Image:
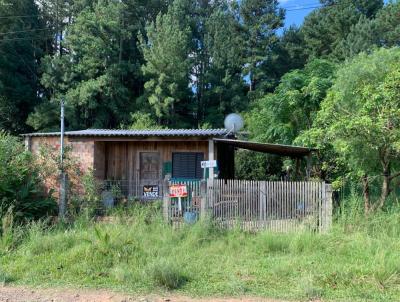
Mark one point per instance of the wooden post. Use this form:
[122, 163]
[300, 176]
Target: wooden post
[326, 217]
[28, 143]
[309, 166]
[166, 201]
[263, 201]
[203, 199]
[210, 157]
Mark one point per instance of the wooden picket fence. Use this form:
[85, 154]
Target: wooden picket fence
[279, 206]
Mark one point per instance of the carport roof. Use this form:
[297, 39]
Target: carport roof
[284, 150]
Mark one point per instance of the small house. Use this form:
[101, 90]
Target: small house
[139, 161]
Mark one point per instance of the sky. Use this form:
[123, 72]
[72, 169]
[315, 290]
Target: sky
[296, 10]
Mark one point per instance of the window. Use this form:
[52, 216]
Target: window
[187, 165]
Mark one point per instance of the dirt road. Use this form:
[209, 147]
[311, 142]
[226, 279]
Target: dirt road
[24, 294]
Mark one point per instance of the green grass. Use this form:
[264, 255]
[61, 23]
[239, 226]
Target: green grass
[358, 261]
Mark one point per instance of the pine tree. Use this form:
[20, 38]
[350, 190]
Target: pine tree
[260, 19]
[387, 24]
[99, 72]
[168, 64]
[324, 29]
[363, 36]
[21, 39]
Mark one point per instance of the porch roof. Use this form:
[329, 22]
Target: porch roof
[137, 133]
[284, 150]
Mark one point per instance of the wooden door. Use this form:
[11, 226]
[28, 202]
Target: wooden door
[150, 175]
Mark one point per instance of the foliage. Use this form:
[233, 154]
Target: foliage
[257, 166]
[324, 29]
[85, 196]
[167, 274]
[20, 184]
[195, 75]
[166, 52]
[360, 118]
[261, 19]
[83, 188]
[19, 63]
[141, 120]
[281, 116]
[354, 261]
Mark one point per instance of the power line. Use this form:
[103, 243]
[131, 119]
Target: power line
[304, 3]
[304, 8]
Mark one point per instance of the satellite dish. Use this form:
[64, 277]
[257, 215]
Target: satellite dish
[233, 123]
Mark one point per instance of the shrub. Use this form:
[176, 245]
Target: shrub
[20, 185]
[167, 274]
[88, 200]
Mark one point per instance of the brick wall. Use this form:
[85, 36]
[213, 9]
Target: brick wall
[81, 149]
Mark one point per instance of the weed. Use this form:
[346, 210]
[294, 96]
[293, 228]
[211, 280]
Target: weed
[167, 274]
[138, 251]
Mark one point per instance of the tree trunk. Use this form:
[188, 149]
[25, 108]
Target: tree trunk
[366, 196]
[385, 187]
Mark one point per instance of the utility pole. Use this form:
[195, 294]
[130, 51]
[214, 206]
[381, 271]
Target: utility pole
[63, 175]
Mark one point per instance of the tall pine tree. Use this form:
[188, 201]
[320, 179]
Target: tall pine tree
[22, 33]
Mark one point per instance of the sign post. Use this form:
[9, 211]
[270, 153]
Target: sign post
[178, 191]
[207, 164]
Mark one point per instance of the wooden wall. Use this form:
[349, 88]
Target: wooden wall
[121, 159]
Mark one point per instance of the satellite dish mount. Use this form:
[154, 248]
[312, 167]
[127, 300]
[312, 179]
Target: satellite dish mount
[233, 123]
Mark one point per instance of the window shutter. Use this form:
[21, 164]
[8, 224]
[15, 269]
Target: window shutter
[187, 165]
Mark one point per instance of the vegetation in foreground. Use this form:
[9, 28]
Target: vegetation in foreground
[357, 261]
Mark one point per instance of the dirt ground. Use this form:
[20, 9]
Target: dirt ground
[23, 294]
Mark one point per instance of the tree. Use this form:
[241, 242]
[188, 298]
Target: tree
[361, 119]
[280, 117]
[142, 120]
[260, 20]
[223, 89]
[363, 36]
[21, 187]
[20, 51]
[98, 73]
[324, 29]
[289, 53]
[387, 24]
[168, 64]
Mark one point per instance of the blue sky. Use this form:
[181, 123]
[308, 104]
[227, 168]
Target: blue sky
[297, 10]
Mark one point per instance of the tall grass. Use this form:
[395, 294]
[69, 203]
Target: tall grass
[357, 261]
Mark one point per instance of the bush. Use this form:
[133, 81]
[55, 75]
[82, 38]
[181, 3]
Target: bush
[167, 274]
[20, 185]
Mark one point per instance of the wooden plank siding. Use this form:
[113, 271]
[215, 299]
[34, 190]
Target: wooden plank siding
[122, 158]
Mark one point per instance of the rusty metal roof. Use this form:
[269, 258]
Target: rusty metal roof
[138, 133]
[284, 150]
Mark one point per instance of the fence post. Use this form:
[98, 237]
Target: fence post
[263, 201]
[203, 199]
[326, 218]
[166, 201]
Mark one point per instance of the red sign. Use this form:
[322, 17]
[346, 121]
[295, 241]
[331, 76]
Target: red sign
[178, 191]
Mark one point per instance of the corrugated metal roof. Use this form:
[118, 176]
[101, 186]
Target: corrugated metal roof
[133, 133]
[285, 150]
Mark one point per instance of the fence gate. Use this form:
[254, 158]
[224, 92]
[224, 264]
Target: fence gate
[279, 206]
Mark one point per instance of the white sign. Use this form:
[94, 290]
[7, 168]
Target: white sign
[209, 164]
